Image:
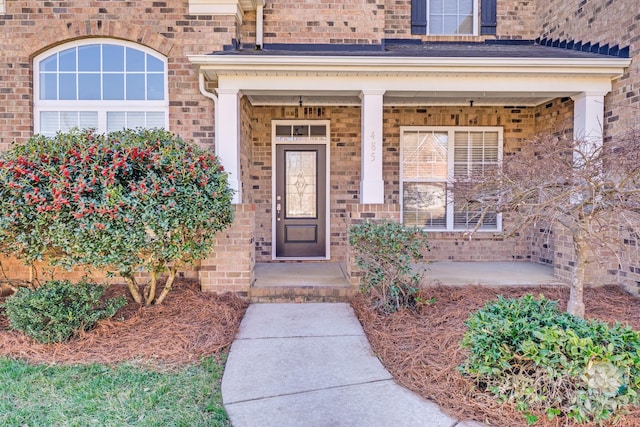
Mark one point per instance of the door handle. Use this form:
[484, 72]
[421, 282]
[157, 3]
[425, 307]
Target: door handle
[278, 209]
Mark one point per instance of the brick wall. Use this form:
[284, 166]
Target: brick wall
[613, 23]
[604, 22]
[516, 19]
[518, 124]
[31, 27]
[324, 22]
[230, 267]
[605, 267]
[14, 271]
[397, 21]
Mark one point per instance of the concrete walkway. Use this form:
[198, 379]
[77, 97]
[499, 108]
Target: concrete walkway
[311, 365]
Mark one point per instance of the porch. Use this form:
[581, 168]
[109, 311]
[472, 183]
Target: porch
[344, 124]
[328, 282]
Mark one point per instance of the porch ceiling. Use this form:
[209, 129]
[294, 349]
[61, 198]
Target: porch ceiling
[395, 98]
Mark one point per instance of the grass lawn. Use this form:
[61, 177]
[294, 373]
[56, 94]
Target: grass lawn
[122, 395]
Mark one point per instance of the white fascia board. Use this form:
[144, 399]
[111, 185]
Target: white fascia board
[436, 83]
[215, 65]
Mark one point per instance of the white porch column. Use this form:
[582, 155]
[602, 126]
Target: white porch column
[227, 130]
[588, 117]
[372, 184]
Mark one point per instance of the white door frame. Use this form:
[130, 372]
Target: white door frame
[298, 141]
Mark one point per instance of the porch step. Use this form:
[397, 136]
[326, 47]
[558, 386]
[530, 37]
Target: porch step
[301, 293]
[301, 282]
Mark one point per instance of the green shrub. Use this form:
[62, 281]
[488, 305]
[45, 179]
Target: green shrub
[528, 352]
[125, 201]
[385, 252]
[58, 310]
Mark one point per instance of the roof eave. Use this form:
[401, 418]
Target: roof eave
[215, 65]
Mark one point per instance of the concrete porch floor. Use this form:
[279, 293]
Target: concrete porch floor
[490, 273]
[328, 274]
[300, 274]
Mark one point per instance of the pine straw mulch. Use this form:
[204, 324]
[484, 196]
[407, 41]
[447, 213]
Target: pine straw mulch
[422, 350]
[189, 325]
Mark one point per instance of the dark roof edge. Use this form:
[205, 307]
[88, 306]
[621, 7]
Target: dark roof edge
[314, 47]
[350, 47]
[579, 46]
[585, 46]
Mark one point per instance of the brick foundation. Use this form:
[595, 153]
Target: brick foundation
[230, 268]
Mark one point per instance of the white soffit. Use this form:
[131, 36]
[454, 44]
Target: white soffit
[222, 7]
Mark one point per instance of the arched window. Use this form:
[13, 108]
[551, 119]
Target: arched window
[103, 84]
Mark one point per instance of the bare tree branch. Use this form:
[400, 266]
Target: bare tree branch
[591, 190]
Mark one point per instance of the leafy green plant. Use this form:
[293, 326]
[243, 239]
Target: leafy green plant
[528, 352]
[127, 201]
[58, 310]
[385, 252]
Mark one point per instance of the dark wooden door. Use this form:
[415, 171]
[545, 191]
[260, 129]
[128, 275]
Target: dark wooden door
[300, 200]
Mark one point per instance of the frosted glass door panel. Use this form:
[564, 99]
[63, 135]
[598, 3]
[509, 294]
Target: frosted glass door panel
[301, 176]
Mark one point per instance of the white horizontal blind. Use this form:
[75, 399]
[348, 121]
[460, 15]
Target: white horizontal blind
[474, 153]
[430, 157]
[424, 174]
[52, 122]
[118, 120]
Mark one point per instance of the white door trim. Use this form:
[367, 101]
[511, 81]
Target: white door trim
[297, 141]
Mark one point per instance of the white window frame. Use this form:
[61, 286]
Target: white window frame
[474, 15]
[450, 130]
[100, 106]
[2, 7]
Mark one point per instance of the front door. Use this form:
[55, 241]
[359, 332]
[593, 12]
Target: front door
[300, 200]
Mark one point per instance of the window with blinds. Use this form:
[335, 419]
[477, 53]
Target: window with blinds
[450, 17]
[103, 84]
[430, 158]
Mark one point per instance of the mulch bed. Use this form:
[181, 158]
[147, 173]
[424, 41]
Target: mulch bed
[189, 325]
[422, 350]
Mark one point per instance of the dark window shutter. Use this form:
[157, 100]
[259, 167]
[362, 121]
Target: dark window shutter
[419, 16]
[488, 17]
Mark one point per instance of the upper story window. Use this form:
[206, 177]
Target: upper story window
[103, 84]
[430, 158]
[444, 17]
[450, 17]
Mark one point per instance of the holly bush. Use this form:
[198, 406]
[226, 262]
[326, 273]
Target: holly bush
[129, 201]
